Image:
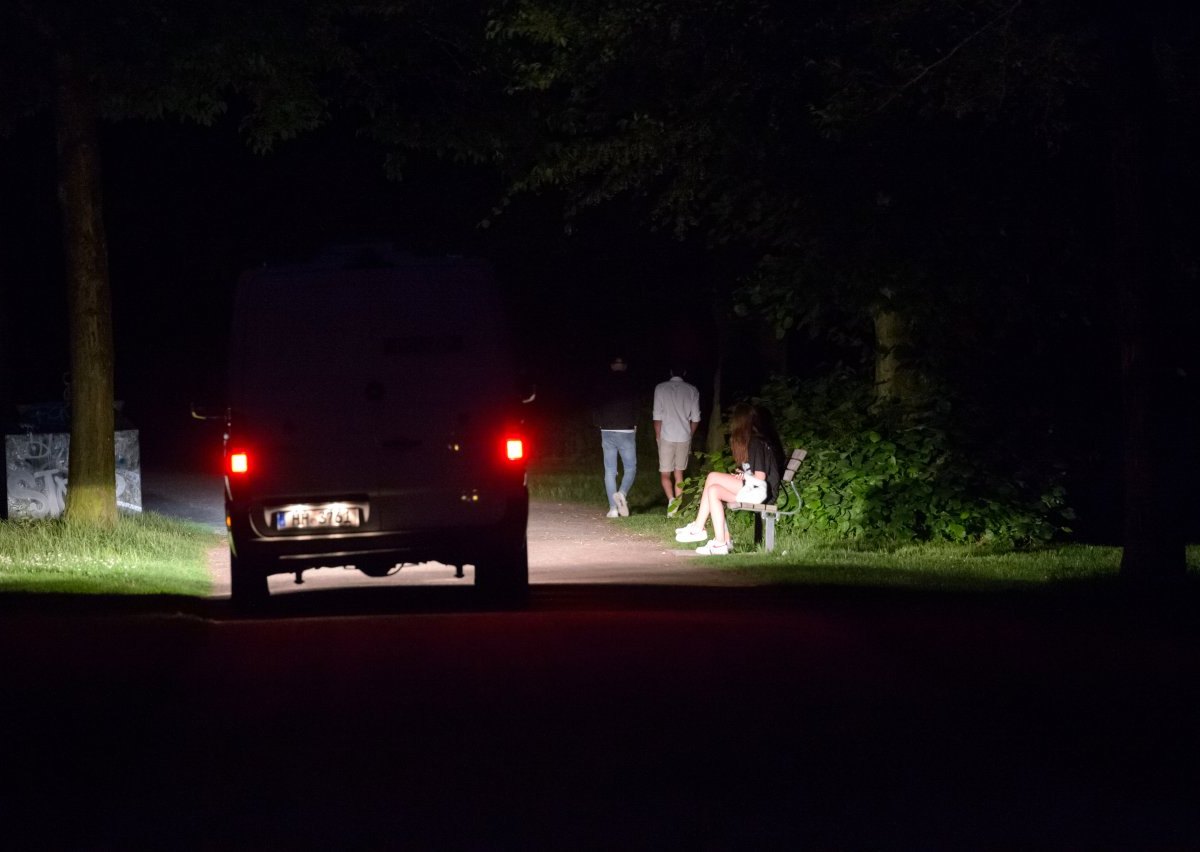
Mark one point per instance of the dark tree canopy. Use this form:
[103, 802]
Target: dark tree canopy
[955, 164]
[985, 203]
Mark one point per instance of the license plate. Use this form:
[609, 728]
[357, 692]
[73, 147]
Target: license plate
[321, 517]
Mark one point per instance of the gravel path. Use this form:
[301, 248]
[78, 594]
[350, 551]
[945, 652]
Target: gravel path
[568, 544]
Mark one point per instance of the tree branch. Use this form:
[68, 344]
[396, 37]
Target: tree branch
[928, 68]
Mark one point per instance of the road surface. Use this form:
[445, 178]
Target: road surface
[615, 714]
[568, 544]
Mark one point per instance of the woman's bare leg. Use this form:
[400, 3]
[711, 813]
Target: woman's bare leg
[719, 495]
[714, 480]
[702, 512]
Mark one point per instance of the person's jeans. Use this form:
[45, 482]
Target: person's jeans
[623, 444]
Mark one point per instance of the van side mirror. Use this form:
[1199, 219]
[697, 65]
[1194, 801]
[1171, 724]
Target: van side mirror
[208, 412]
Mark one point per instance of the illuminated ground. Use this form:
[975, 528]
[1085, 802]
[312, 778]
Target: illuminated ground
[567, 544]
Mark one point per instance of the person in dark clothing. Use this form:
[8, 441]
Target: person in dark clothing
[754, 444]
[614, 411]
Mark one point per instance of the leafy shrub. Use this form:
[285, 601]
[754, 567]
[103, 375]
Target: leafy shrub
[887, 475]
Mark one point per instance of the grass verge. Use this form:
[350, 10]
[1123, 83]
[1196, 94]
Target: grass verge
[798, 560]
[144, 554]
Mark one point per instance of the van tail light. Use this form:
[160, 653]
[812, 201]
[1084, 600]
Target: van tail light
[514, 448]
[238, 463]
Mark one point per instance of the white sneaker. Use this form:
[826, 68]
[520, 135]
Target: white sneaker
[691, 534]
[612, 513]
[713, 548]
[622, 504]
[691, 526]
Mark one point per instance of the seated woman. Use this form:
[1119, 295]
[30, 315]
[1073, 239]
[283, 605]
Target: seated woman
[753, 441]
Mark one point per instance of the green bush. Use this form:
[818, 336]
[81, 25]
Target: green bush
[891, 476]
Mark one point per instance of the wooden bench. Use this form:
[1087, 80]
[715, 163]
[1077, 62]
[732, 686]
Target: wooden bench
[787, 502]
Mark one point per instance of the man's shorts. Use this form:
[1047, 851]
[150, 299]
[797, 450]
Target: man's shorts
[673, 455]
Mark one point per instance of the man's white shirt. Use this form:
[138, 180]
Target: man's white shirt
[677, 405]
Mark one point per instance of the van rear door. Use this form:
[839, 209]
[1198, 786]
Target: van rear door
[360, 380]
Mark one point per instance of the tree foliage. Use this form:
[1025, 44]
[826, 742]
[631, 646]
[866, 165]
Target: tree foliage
[871, 154]
[948, 163]
[127, 59]
[890, 475]
[277, 63]
[721, 113]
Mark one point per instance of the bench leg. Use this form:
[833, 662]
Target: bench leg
[758, 528]
[770, 533]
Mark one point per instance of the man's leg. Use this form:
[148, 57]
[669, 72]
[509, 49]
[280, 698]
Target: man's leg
[608, 445]
[682, 454]
[666, 464]
[666, 485]
[627, 447]
[676, 463]
[674, 491]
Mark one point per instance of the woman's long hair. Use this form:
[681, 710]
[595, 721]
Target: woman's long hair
[742, 422]
[745, 422]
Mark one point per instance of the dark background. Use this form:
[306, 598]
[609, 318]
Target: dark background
[187, 209]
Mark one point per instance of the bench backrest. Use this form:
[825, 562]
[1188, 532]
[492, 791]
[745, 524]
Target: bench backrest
[794, 464]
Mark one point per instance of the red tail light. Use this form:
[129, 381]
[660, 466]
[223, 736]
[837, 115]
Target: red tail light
[514, 448]
[238, 463]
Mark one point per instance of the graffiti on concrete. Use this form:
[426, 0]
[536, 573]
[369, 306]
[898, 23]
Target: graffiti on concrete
[36, 465]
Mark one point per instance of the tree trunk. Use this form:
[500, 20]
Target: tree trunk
[772, 350]
[5, 400]
[715, 442]
[716, 432]
[1154, 545]
[895, 378]
[91, 474]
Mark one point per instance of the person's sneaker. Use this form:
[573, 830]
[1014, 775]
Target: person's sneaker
[612, 513]
[690, 526]
[691, 534]
[673, 507]
[622, 504]
[713, 548]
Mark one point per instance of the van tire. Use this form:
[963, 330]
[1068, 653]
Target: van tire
[503, 577]
[247, 583]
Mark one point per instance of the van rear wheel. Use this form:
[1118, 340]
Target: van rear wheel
[503, 577]
[247, 582]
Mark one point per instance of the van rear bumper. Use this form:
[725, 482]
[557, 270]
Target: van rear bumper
[457, 545]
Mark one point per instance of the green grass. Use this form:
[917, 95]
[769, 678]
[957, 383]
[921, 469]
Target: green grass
[798, 560]
[570, 487]
[143, 554]
[152, 554]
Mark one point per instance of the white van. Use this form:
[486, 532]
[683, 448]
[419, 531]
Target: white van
[374, 422]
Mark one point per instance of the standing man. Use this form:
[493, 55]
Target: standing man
[676, 418]
[614, 410]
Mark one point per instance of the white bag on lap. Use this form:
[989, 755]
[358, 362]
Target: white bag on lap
[753, 490]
